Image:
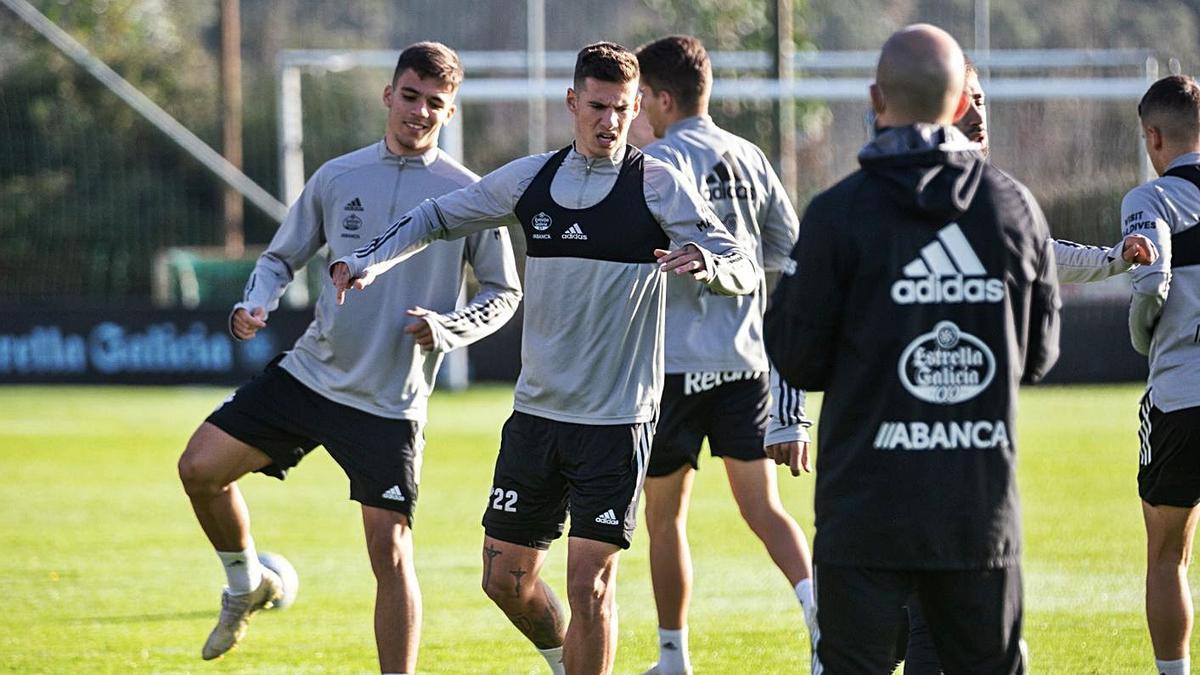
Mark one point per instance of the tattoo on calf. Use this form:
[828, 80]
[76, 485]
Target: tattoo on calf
[548, 630]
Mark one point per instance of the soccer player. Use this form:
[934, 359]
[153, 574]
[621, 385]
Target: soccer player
[1076, 263]
[924, 291]
[1164, 324]
[598, 217]
[717, 371]
[358, 380]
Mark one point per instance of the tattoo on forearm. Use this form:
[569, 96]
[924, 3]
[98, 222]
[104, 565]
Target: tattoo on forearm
[489, 553]
[517, 574]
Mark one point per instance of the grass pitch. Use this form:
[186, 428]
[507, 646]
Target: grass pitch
[103, 568]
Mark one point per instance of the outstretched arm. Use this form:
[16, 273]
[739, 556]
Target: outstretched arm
[485, 204]
[490, 254]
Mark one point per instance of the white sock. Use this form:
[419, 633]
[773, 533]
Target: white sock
[243, 572]
[1179, 667]
[553, 658]
[673, 658]
[804, 593]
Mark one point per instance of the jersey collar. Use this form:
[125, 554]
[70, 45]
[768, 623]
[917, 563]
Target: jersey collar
[424, 159]
[1185, 159]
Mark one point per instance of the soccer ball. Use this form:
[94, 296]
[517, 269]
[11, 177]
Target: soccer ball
[291, 581]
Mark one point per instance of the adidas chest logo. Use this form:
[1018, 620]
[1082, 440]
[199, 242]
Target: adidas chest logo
[574, 232]
[947, 271]
[354, 205]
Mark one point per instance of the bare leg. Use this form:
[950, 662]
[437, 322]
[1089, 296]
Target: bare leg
[1169, 534]
[208, 468]
[591, 641]
[511, 578]
[757, 495]
[397, 595]
[667, 500]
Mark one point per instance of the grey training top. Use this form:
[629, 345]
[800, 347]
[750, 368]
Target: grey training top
[710, 332]
[358, 354]
[592, 349]
[1080, 263]
[1164, 316]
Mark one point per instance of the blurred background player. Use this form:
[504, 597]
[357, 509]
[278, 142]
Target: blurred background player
[717, 371]
[924, 291]
[357, 382]
[1164, 324]
[596, 216]
[1076, 263]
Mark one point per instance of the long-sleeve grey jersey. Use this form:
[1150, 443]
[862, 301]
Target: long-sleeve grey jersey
[592, 349]
[1081, 264]
[710, 332]
[1164, 315]
[359, 354]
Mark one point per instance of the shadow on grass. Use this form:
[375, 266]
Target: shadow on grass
[141, 618]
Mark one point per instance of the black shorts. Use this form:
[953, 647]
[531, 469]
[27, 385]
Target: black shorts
[974, 618]
[729, 408]
[1169, 471]
[277, 414]
[546, 467]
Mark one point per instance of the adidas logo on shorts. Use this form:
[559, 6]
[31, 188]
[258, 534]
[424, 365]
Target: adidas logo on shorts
[393, 493]
[608, 518]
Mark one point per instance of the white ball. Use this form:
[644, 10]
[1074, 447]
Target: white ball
[291, 581]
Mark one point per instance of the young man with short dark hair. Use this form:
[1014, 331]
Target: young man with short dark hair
[598, 218]
[1164, 324]
[358, 381]
[717, 383]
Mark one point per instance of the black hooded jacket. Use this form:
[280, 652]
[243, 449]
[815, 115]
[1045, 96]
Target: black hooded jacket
[924, 293]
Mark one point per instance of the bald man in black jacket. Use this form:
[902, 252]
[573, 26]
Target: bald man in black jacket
[924, 293]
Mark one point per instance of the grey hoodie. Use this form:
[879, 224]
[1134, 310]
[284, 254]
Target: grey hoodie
[359, 355]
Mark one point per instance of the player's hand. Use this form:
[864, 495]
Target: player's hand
[340, 272]
[793, 453]
[686, 260]
[420, 329]
[247, 324]
[1138, 249]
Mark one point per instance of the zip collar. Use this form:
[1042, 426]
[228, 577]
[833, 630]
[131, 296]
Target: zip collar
[424, 159]
[577, 160]
[693, 122]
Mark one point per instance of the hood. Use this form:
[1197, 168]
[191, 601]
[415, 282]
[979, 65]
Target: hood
[932, 170]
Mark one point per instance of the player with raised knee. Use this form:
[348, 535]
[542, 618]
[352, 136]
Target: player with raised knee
[1164, 324]
[717, 370]
[358, 380]
[598, 217]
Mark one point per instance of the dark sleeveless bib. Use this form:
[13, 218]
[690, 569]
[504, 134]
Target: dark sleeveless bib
[618, 228]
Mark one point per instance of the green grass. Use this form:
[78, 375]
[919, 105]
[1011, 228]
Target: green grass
[103, 568]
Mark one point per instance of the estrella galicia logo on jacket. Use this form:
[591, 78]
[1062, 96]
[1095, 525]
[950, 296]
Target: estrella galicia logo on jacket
[946, 366]
[947, 271]
[351, 223]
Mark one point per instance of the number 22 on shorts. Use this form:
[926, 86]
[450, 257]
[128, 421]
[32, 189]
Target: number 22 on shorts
[504, 500]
